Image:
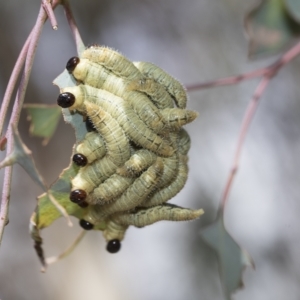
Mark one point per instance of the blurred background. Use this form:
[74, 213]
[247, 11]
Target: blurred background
[195, 41]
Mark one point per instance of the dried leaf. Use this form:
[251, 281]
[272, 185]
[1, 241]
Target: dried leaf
[270, 28]
[231, 258]
[44, 120]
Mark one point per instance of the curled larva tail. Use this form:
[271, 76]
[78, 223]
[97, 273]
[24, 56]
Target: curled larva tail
[111, 189]
[174, 87]
[92, 147]
[156, 92]
[136, 193]
[148, 216]
[171, 190]
[175, 118]
[117, 144]
[135, 128]
[139, 161]
[184, 142]
[113, 61]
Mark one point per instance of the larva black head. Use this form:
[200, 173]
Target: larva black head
[89, 125]
[113, 246]
[86, 225]
[78, 197]
[72, 63]
[65, 100]
[80, 160]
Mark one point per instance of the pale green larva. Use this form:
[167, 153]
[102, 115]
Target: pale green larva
[114, 61]
[147, 216]
[173, 86]
[136, 160]
[123, 113]
[92, 147]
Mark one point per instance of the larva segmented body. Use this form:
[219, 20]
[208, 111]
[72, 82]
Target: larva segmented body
[156, 92]
[168, 212]
[125, 116]
[135, 194]
[117, 144]
[111, 188]
[114, 231]
[145, 109]
[175, 118]
[113, 61]
[184, 142]
[139, 161]
[87, 71]
[92, 175]
[173, 86]
[92, 147]
[168, 192]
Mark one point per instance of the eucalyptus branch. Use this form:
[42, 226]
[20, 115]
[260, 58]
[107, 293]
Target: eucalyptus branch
[27, 54]
[248, 117]
[267, 71]
[76, 35]
[268, 74]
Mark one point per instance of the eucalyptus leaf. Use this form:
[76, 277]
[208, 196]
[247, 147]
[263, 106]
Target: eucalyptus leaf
[270, 28]
[231, 258]
[44, 120]
[23, 156]
[293, 7]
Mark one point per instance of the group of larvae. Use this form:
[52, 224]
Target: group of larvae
[133, 158]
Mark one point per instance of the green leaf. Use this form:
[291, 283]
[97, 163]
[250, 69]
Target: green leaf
[270, 28]
[64, 80]
[231, 258]
[44, 120]
[293, 7]
[46, 213]
[22, 155]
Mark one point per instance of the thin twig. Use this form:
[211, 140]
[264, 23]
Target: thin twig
[227, 80]
[49, 10]
[248, 117]
[267, 71]
[14, 119]
[12, 83]
[76, 35]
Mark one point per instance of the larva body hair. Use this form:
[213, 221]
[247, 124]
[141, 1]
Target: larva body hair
[92, 147]
[89, 177]
[168, 212]
[135, 194]
[116, 142]
[175, 118]
[111, 189]
[121, 110]
[114, 61]
[184, 144]
[171, 190]
[173, 86]
[156, 92]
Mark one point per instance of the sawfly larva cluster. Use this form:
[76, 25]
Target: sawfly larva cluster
[134, 157]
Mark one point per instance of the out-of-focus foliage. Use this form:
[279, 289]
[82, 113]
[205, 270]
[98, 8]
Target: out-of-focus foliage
[232, 259]
[272, 26]
[44, 120]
